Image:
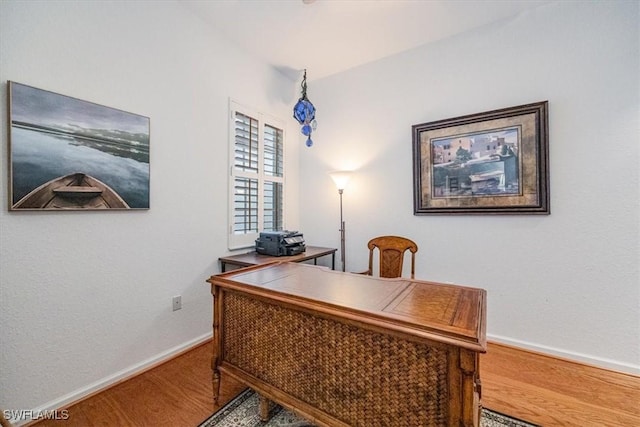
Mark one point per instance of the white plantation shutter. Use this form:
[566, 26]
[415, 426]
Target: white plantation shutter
[245, 172]
[273, 145]
[273, 168]
[245, 143]
[245, 206]
[272, 206]
[257, 176]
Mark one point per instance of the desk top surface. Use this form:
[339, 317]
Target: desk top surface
[447, 313]
[254, 258]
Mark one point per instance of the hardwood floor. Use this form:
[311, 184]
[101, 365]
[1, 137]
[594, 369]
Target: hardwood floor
[177, 393]
[554, 392]
[541, 389]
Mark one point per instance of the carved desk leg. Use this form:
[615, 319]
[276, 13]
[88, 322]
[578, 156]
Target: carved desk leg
[471, 405]
[264, 409]
[216, 346]
[215, 379]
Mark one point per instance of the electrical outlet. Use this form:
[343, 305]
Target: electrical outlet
[177, 302]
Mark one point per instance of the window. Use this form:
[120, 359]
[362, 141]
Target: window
[256, 190]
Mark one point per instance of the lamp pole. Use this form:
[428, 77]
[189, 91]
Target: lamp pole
[342, 237]
[341, 179]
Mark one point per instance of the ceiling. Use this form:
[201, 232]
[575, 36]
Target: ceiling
[331, 36]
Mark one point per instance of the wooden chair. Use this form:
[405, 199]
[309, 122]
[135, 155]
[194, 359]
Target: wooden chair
[391, 255]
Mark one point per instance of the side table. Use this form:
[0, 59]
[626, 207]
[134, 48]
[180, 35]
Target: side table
[254, 258]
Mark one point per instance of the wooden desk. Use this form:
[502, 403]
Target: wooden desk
[254, 258]
[343, 349]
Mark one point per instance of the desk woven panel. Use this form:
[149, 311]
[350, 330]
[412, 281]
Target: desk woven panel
[361, 377]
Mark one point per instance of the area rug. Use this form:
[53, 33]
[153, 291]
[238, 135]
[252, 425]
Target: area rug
[243, 412]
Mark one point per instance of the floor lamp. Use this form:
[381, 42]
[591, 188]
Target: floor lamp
[341, 180]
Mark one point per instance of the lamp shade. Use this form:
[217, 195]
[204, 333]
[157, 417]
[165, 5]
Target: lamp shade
[341, 178]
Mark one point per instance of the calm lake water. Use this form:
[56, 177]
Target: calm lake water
[39, 157]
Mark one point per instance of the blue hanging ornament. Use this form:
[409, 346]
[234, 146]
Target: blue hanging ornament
[304, 112]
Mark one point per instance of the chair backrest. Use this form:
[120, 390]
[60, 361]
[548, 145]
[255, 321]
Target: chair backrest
[392, 249]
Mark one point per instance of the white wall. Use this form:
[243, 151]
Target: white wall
[86, 297]
[565, 284]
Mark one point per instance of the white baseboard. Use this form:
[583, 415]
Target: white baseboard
[603, 363]
[76, 395]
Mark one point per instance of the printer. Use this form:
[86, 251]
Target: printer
[280, 243]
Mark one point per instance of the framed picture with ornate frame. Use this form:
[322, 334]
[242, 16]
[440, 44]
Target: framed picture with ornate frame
[495, 162]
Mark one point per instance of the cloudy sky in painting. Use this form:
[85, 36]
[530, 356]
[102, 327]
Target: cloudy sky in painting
[41, 107]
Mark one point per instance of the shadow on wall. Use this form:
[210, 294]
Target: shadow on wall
[289, 93]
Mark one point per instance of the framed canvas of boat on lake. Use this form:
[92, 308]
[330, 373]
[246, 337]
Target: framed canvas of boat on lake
[69, 154]
[494, 162]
